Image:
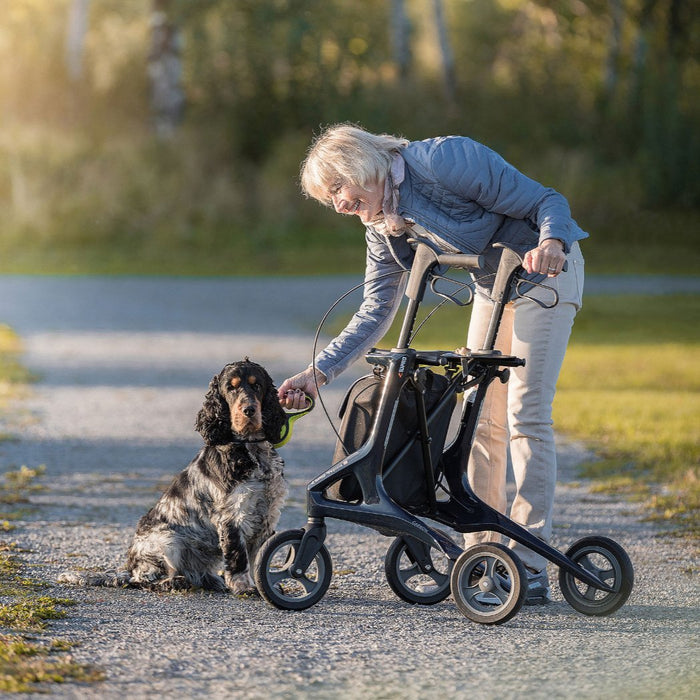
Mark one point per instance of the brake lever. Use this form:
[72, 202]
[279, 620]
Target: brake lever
[449, 297]
[544, 305]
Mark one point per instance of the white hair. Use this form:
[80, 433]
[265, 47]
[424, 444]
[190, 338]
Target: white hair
[347, 154]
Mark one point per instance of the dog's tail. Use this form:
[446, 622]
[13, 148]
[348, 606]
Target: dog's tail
[113, 579]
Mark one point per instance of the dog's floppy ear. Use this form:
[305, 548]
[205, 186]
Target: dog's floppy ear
[273, 416]
[214, 418]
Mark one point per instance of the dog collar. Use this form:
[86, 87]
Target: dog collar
[246, 441]
[292, 416]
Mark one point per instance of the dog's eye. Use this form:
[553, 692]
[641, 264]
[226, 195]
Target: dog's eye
[254, 383]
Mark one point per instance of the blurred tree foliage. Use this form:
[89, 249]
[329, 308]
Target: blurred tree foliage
[614, 82]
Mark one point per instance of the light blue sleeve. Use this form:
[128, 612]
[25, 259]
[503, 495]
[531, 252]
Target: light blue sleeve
[385, 281]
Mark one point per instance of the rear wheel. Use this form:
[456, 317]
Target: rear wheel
[287, 589]
[409, 580]
[606, 560]
[489, 583]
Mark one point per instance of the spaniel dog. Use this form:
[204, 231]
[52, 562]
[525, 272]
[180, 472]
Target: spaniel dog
[218, 511]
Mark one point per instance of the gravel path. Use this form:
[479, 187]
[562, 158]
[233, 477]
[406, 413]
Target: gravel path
[124, 364]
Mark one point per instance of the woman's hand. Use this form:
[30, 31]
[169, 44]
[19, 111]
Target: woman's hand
[292, 392]
[547, 259]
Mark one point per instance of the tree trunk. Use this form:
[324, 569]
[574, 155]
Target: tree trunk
[75, 38]
[165, 71]
[447, 58]
[617, 14]
[642, 42]
[400, 31]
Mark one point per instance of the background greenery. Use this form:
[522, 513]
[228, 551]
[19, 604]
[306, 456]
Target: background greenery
[595, 97]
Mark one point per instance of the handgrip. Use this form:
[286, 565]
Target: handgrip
[286, 432]
[460, 260]
[450, 259]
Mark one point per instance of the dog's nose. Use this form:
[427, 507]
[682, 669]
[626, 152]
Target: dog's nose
[249, 411]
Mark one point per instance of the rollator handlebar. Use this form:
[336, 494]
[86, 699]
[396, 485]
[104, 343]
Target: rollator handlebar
[461, 260]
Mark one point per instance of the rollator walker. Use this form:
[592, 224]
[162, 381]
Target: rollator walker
[424, 564]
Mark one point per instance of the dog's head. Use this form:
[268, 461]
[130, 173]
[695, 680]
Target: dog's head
[241, 402]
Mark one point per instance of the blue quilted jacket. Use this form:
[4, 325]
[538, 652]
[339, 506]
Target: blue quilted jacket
[469, 196]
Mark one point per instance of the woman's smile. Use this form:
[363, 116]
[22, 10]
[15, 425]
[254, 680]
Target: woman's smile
[357, 201]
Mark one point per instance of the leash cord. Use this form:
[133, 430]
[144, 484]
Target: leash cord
[463, 285]
[318, 335]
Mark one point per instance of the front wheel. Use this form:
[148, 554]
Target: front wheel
[279, 585]
[409, 581]
[489, 583]
[606, 560]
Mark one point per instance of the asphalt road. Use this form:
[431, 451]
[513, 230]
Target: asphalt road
[123, 366]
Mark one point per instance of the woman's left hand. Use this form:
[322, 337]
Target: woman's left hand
[547, 259]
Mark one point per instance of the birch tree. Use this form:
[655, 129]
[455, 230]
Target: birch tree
[165, 70]
[400, 32]
[75, 38]
[446, 56]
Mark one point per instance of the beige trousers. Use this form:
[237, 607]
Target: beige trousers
[518, 415]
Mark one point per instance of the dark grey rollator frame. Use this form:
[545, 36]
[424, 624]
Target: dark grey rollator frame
[488, 582]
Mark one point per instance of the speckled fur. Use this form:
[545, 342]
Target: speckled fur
[208, 525]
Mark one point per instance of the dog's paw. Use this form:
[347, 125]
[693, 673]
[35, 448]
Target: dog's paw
[250, 593]
[240, 584]
[114, 579]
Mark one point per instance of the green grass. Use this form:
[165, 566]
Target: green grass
[27, 666]
[12, 374]
[232, 251]
[642, 242]
[330, 245]
[29, 660]
[630, 390]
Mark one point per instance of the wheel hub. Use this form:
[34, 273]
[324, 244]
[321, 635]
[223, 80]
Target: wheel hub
[486, 584]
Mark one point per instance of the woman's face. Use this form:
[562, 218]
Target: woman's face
[353, 199]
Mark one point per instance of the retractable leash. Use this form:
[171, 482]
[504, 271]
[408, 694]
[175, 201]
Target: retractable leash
[292, 417]
[446, 298]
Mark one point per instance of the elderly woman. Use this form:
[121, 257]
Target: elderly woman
[464, 197]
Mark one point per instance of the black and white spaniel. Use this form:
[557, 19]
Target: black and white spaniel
[205, 530]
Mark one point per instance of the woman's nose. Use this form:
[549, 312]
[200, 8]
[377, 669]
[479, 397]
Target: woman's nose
[339, 204]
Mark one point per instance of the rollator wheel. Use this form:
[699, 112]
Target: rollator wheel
[274, 579]
[605, 559]
[409, 581]
[489, 583]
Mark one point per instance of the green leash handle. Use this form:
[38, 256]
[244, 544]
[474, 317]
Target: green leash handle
[292, 416]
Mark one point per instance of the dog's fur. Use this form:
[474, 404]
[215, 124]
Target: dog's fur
[218, 511]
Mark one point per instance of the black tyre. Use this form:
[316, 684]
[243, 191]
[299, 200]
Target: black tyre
[409, 581]
[274, 579]
[606, 560]
[489, 583]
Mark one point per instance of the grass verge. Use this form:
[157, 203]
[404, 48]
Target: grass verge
[29, 659]
[629, 390]
[12, 374]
